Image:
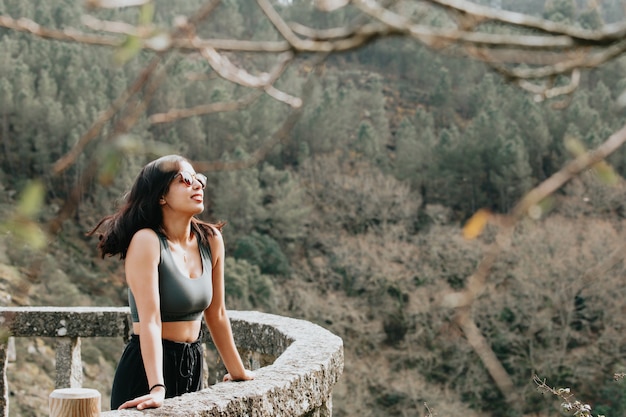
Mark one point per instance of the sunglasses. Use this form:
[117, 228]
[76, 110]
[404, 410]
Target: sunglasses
[187, 178]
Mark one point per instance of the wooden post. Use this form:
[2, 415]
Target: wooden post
[74, 402]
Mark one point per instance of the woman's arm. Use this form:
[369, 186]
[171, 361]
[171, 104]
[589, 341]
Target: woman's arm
[142, 260]
[217, 320]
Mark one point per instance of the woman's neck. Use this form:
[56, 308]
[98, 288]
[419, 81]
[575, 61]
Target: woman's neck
[177, 230]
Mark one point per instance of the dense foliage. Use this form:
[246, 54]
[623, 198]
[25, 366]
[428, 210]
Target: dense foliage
[352, 222]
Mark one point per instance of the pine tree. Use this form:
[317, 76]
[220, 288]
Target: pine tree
[560, 11]
[510, 172]
[407, 152]
[285, 206]
[416, 153]
[533, 130]
[237, 198]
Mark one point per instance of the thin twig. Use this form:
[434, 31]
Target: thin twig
[569, 402]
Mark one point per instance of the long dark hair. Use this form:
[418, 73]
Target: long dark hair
[141, 209]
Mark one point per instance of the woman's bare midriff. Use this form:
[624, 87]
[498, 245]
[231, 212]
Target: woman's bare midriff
[176, 331]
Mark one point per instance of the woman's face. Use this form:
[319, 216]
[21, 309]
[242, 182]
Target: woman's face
[186, 191]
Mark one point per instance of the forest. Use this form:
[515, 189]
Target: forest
[347, 212]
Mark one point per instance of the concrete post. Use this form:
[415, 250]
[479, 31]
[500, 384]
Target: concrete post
[4, 386]
[68, 363]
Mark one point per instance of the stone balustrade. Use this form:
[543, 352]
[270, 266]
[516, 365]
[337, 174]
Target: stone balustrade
[299, 361]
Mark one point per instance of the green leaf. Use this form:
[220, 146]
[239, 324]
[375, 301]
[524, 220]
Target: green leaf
[146, 15]
[606, 173]
[127, 50]
[31, 200]
[25, 230]
[30, 233]
[110, 168]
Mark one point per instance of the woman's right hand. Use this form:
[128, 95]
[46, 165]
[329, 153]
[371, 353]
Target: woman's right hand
[152, 400]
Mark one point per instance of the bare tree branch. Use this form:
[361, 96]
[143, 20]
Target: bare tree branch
[545, 92]
[176, 114]
[582, 37]
[67, 35]
[593, 47]
[569, 171]
[311, 45]
[232, 45]
[114, 4]
[144, 77]
[462, 301]
[437, 37]
[586, 60]
[282, 135]
[482, 348]
[70, 157]
[134, 110]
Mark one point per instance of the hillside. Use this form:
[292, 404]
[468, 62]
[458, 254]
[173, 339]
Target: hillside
[381, 291]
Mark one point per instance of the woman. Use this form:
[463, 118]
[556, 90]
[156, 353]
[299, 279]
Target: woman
[174, 265]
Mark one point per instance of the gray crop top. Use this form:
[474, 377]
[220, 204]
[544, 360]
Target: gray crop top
[182, 298]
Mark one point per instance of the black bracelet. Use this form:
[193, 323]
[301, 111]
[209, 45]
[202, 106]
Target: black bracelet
[154, 386]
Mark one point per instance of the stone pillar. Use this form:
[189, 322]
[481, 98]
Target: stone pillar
[4, 386]
[69, 366]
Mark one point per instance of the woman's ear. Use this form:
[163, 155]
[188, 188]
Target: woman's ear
[162, 201]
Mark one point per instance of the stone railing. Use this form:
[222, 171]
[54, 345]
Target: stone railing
[303, 361]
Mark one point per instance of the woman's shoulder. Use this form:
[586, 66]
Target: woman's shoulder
[207, 232]
[215, 231]
[146, 233]
[215, 237]
[216, 243]
[147, 237]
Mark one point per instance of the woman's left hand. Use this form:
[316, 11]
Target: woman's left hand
[249, 375]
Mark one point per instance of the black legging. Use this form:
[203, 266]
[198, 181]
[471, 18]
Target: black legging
[182, 371]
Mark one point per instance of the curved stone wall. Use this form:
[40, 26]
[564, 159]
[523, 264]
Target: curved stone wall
[303, 361]
[309, 361]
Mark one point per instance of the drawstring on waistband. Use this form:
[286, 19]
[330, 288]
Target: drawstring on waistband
[187, 363]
